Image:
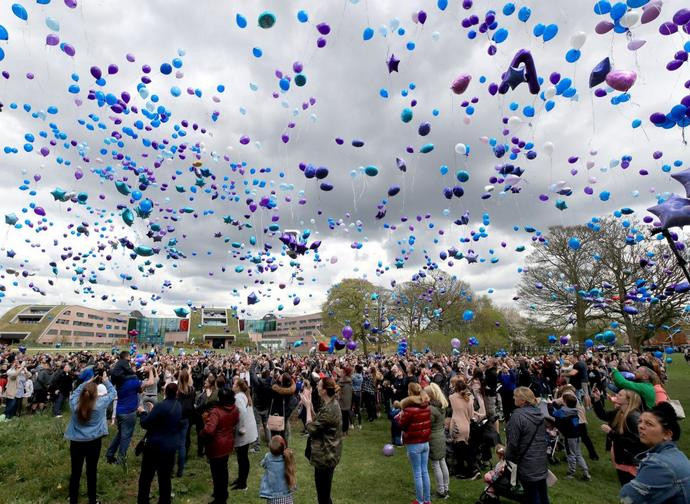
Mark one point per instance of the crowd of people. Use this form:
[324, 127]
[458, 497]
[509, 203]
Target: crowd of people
[447, 409]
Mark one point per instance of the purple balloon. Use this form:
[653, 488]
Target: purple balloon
[40, 211]
[352, 345]
[668, 28]
[68, 49]
[674, 65]
[347, 332]
[554, 78]
[130, 57]
[96, 72]
[421, 17]
[388, 450]
[634, 45]
[460, 84]
[657, 118]
[52, 39]
[72, 4]
[324, 28]
[650, 12]
[621, 80]
[603, 27]
[681, 17]
[112, 69]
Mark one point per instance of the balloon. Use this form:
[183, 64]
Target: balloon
[455, 343]
[589, 343]
[388, 450]
[19, 11]
[564, 340]
[574, 243]
[351, 345]
[549, 33]
[53, 24]
[347, 332]
[599, 72]
[323, 346]
[674, 212]
[515, 76]
[630, 19]
[552, 339]
[603, 27]
[3, 33]
[267, 19]
[621, 80]
[468, 315]
[635, 44]
[578, 40]
[460, 84]
[181, 312]
[650, 12]
[368, 33]
[524, 13]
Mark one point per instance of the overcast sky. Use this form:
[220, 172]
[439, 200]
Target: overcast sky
[345, 78]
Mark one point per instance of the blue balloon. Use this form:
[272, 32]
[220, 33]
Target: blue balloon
[678, 112]
[146, 205]
[136, 195]
[20, 11]
[572, 55]
[3, 33]
[524, 13]
[538, 30]
[574, 243]
[468, 315]
[442, 4]
[550, 32]
[500, 35]
[528, 111]
[618, 11]
[602, 7]
[549, 105]
[284, 84]
[241, 21]
[368, 33]
[508, 9]
[634, 4]
[302, 16]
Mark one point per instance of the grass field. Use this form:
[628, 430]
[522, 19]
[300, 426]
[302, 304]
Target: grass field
[34, 467]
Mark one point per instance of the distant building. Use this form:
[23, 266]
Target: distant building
[272, 332]
[217, 326]
[65, 324]
[158, 330]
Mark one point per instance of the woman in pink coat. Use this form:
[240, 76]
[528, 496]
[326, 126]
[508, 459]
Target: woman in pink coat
[462, 404]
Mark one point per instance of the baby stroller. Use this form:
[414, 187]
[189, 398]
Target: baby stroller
[483, 438]
[554, 442]
[502, 487]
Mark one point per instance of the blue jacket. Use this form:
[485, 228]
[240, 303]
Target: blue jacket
[128, 395]
[273, 482]
[663, 477]
[162, 425]
[97, 426]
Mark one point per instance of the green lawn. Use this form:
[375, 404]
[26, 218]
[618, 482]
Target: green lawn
[34, 467]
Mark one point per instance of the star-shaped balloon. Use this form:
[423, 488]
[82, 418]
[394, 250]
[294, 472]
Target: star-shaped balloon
[392, 63]
[401, 164]
[561, 204]
[674, 212]
[599, 72]
[471, 256]
[514, 77]
[684, 178]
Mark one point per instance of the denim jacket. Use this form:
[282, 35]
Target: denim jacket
[97, 426]
[273, 482]
[663, 477]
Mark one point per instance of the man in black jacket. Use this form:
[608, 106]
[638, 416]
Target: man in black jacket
[121, 370]
[44, 376]
[61, 385]
[261, 398]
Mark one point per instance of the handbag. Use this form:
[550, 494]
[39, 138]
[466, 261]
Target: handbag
[513, 466]
[276, 422]
[678, 407]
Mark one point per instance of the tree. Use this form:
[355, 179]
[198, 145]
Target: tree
[615, 274]
[556, 273]
[359, 304]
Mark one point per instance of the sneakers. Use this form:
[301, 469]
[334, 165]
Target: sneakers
[442, 495]
[476, 475]
[587, 477]
[570, 476]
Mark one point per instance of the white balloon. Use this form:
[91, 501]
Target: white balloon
[383, 30]
[436, 35]
[635, 193]
[415, 17]
[590, 165]
[514, 121]
[592, 180]
[460, 148]
[394, 24]
[550, 92]
[488, 188]
[578, 39]
[630, 19]
[548, 148]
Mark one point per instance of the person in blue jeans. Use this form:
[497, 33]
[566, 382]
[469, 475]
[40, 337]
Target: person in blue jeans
[126, 416]
[415, 422]
[663, 475]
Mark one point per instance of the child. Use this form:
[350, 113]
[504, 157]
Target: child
[494, 474]
[279, 480]
[396, 432]
[564, 410]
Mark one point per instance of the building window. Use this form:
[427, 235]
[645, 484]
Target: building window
[80, 314]
[52, 331]
[67, 312]
[65, 333]
[83, 333]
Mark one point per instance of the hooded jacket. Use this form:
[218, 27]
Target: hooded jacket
[120, 371]
[415, 420]
[526, 443]
[345, 395]
[325, 434]
[219, 430]
[261, 390]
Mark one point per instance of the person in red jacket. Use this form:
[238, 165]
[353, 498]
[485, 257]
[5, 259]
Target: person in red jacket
[415, 422]
[219, 433]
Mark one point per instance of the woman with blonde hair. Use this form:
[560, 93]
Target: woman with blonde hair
[462, 404]
[622, 436]
[437, 443]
